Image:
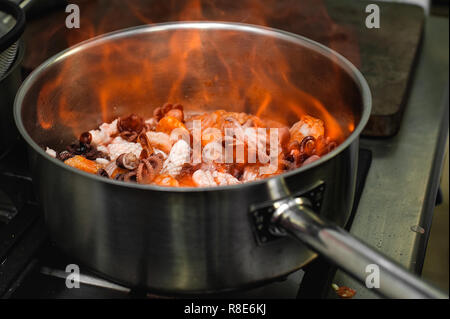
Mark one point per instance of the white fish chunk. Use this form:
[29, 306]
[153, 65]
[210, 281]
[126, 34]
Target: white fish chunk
[178, 156]
[50, 152]
[203, 178]
[102, 161]
[119, 146]
[103, 149]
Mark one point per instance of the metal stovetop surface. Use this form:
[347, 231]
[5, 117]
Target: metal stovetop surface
[402, 183]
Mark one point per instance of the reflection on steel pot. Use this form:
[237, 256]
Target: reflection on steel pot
[190, 240]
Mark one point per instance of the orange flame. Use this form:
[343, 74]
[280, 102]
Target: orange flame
[190, 63]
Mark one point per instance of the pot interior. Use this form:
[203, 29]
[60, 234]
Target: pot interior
[203, 66]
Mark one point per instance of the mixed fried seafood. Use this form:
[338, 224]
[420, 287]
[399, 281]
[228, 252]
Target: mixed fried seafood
[177, 148]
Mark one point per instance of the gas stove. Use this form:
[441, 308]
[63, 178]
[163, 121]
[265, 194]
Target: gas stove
[31, 266]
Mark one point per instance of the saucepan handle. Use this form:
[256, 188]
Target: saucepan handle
[350, 254]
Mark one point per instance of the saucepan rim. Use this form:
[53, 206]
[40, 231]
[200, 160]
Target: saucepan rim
[347, 66]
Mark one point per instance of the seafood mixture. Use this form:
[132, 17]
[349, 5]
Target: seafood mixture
[177, 148]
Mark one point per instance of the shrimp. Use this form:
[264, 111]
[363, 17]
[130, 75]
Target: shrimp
[159, 140]
[203, 178]
[224, 178]
[307, 126]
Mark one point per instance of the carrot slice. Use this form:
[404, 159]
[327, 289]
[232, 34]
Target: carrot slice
[168, 123]
[83, 164]
[165, 180]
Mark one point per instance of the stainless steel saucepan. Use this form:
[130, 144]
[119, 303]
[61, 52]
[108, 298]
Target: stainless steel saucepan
[200, 240]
